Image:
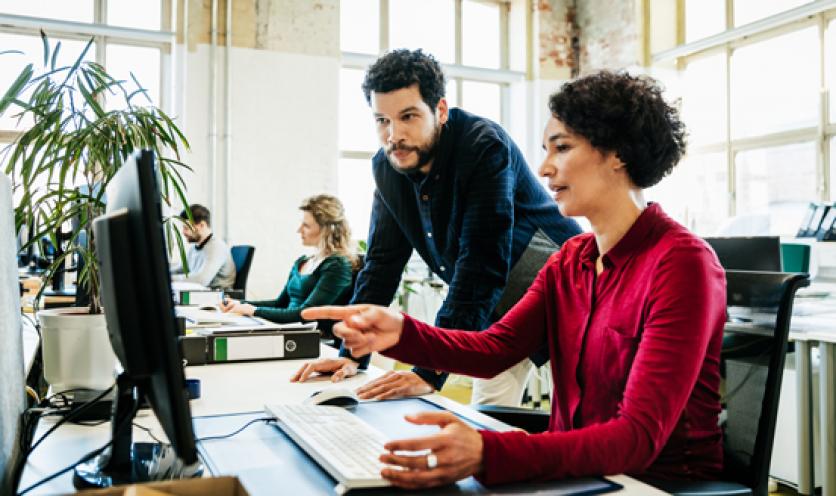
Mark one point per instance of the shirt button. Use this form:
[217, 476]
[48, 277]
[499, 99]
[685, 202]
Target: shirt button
[442, 268]
[437, 177]
[425, 197]
[429, 235]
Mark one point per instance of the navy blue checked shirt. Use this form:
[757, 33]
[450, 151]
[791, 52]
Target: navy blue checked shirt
[470, 219]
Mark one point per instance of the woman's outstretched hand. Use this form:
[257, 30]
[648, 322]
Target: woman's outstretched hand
[363, 328]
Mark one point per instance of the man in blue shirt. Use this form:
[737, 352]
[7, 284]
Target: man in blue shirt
[454, 187]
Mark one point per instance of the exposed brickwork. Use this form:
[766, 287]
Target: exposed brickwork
[309, 27]
[609, 34]
[557, 39]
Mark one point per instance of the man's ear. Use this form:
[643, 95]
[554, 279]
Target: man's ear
[442, 111]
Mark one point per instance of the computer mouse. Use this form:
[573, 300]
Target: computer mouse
[338, 396]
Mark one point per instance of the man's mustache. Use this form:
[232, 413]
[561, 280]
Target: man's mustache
[398, 147]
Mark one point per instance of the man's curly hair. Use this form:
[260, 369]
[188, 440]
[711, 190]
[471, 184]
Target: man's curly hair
[403, 68]
[627, 115]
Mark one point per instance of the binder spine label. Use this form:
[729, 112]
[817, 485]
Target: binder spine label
[248, 348]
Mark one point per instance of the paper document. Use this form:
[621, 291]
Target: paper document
[200, 317]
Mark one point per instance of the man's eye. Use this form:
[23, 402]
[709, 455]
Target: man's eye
[382, 121]
[562, 148]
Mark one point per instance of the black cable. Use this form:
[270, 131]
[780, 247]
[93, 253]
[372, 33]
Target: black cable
[149, 432]
[83, 459]
[74, 413]
[251, 422]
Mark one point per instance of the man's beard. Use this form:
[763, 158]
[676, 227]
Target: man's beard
[426, 154]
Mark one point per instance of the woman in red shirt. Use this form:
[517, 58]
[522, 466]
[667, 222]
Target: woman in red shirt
[632, 313]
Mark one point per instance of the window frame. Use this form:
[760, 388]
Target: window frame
[457, 72]
[103, 35]
[818, 13]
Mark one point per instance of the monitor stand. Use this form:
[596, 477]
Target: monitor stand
[127, 462]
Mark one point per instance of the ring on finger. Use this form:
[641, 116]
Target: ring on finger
[432, 461]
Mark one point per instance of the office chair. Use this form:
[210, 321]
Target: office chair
[754, 366]
[326, 327]
[242, 256]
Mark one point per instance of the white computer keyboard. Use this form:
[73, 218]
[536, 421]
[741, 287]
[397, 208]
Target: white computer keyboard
[344, 445]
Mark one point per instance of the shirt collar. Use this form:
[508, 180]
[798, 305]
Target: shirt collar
[635, 237]
[628, 244]
[203, 243]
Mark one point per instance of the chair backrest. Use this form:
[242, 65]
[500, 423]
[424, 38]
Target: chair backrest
[795, 257]
[754, 351]
[242, 256]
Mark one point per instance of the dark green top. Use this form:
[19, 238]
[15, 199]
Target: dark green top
[321, 287]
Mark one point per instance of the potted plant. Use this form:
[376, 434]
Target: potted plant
[61, 165]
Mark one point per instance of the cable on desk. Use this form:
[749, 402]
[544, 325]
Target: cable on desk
[34, 323]
[251, 422]
[72, 414]
[149, 432]
[83, 459]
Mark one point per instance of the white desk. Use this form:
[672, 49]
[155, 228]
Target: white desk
[814, 323]
[229, 388]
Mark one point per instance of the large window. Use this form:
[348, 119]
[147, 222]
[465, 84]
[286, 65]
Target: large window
[470, 39]
[755, 98]
[128, 40]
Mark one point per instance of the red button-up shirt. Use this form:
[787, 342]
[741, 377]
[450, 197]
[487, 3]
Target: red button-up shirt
[634, 356]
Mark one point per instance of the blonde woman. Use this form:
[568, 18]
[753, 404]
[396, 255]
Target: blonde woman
[318, 279]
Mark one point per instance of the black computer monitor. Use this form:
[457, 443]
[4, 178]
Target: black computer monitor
[760, 253]
[136, 296]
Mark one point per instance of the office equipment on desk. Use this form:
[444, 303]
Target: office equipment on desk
[217, 345]
[812, 222]
[334, 396]
[345, 446]
[264, 457]
[827, 229]
[200, 297]
[179, 286]
[136, 297]
[762, 253]
[12, 396]
[202, 317]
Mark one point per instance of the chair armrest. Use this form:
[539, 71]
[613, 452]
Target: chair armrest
[531, 421]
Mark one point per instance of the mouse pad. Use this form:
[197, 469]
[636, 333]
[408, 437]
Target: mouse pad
[265, 459]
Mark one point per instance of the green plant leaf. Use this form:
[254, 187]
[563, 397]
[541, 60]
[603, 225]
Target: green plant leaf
[45, 43]
[74, 140]
[55, 55]
[14, 90]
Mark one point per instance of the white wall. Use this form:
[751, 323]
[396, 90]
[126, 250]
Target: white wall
[284, 148]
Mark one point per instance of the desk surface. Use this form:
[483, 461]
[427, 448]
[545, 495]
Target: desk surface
[229, 388]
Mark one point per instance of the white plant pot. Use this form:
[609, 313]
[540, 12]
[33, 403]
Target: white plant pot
[76, 349]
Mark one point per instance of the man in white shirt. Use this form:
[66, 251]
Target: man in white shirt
[210, 261]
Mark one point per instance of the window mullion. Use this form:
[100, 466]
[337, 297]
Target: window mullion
[384, 26]
[822, 146]
[731, 179]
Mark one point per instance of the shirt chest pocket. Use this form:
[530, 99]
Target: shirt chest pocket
[618, 347]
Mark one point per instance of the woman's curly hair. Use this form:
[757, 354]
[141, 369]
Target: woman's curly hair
[401, 69]
[627, 115]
